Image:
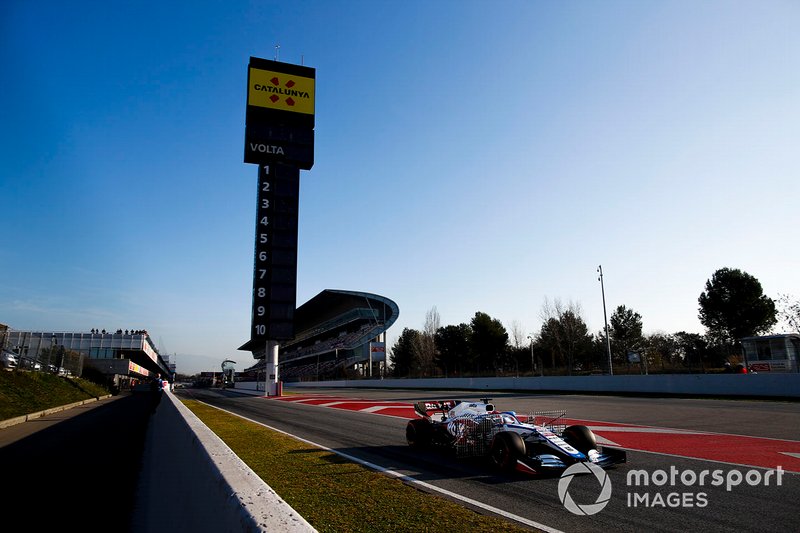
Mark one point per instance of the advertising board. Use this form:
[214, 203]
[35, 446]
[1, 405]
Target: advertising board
[279, 123]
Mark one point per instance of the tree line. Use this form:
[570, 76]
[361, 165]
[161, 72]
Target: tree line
[731, 307]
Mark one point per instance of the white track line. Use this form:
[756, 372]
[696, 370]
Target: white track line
[601, 440]
[628, 429]
[375, 408]
[405, 478]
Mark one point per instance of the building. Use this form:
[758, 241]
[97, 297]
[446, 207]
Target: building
[122, 356]
[772, 353]
[338, 334]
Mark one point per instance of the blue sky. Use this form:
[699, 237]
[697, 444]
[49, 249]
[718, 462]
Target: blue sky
[472, 156]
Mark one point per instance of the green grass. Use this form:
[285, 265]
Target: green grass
[23, 393]
[334, 494]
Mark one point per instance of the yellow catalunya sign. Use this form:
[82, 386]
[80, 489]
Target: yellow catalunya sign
[278, 90]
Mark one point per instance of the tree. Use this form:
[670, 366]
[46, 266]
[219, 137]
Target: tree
[519, 354]
[425, 344]
[661, 349]
[693, 349]
[625, 331]
[517, 334]
[564, 335]
[453, 347]
[404, 360]
[599, 350]
[789, 312]
[549, 342]
[734, 306]
[487, 342]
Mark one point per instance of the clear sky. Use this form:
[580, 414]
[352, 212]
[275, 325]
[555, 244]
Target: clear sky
[472, 156]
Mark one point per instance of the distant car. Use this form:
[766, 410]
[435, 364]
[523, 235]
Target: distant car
[9, 359]
[29, 363]
[476, 429]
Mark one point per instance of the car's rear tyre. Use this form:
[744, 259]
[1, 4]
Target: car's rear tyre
[418, 433]
[581, 438]
[506, 448]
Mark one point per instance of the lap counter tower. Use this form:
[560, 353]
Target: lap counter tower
[279, 138]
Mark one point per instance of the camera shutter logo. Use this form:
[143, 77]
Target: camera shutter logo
[590, 508]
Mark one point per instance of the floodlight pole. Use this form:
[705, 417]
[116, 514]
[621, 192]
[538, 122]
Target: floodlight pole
[51, 352]
[608, 340]
[533, 364]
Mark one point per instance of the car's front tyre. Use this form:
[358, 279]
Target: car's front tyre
[581, 438]
[506, 448]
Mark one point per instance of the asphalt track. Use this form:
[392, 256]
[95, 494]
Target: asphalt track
[698, 435]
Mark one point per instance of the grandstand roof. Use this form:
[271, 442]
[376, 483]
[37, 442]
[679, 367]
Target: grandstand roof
[331, 304]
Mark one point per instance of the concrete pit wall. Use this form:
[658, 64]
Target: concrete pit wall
[713, 385]
[192, 481]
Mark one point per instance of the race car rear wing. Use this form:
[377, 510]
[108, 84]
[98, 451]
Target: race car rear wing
[430, 409]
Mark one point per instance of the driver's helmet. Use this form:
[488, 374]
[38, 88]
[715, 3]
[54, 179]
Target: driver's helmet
[509, 418]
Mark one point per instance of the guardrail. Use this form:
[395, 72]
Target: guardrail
[784, 385]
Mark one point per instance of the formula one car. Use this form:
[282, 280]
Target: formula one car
[538, 446]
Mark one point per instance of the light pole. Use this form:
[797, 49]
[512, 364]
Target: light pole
[608, 340]
[533, 365]
[52, 351]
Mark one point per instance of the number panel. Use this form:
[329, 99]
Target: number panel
[275, 258]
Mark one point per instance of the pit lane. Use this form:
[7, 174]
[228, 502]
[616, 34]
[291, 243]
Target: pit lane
[380, 440]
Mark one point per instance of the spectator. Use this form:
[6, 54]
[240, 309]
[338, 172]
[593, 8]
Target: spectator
[156, 390]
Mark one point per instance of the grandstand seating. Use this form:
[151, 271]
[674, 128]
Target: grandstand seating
[334, 331]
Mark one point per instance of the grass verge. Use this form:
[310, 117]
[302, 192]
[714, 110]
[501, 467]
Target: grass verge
[23, 392]
[334, 494]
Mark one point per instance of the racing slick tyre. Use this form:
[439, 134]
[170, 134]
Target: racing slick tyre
[418, 433]
[507, 447]
[580, 437]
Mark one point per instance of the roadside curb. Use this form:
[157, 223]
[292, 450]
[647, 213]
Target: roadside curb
[219, 491]
[38, 414]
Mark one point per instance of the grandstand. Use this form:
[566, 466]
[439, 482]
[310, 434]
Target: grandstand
[339, 334]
